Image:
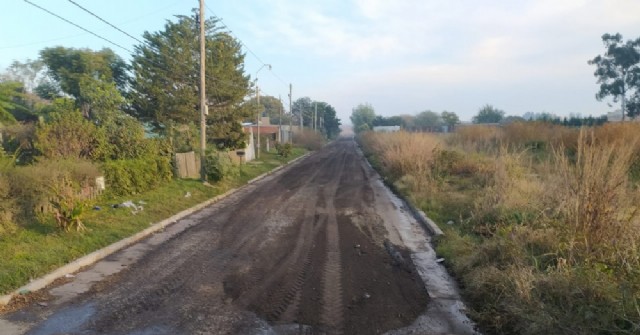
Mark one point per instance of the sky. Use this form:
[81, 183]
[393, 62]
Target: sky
[400, 56]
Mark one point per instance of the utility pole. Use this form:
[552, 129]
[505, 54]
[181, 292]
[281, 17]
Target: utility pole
[280, 121]
[203, 100]
[259, 116]
[290, 116]
[259, 107]
[315, 115]
[301, 125]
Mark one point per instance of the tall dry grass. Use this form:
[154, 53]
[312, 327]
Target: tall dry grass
[597, 206]
[402, 153]
[516, 136]
[309, 139]
[548, 231]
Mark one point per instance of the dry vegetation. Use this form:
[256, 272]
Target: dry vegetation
[545, 229]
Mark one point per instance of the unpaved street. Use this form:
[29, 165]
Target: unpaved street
[302, 251]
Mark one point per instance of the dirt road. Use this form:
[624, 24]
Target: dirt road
[319, 248]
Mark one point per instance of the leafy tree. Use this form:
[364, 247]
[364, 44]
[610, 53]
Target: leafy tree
[362, 117]
[450, 119]
[47, 90]
[67, 134]
[126, 138]
[104, 97]
[387, 121]
[303, 108]
[9, 94]
[30, 73]
[488, 114]
[633, 105]
[408, 121]
[428, 120]
[271, 107]
[72, 69]
[328, 122]
[618, 71]
[166, 85]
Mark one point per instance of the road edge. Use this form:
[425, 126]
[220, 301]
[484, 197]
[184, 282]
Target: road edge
[99, 254]
[420, 215]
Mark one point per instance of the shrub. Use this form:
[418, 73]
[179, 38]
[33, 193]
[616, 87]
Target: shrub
[132, 176]
[220, 166]
[43, 189]
[69, 135]
[7, 203]
[18, 140]
[283, 149]
[595, 206]
[68, 206]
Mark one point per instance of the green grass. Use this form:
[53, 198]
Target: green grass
[37, 249]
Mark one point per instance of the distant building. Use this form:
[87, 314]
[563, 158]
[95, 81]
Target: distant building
[615, 116]
[386, 129]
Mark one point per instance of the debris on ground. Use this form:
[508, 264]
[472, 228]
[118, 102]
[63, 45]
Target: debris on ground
[130, 204]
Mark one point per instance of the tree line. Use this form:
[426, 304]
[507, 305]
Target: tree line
[617, 73]
[158, 88]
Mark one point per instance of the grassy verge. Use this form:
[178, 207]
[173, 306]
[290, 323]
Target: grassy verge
[541, 222]
[36, 249]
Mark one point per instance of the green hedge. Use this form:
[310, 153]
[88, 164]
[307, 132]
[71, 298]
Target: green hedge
[132, 176]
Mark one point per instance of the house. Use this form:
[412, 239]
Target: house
[386, 129]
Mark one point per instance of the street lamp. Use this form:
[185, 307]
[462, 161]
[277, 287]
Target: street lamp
[259, 109]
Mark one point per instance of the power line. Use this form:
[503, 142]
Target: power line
[77, 25]
[105, 21]
[158, 65]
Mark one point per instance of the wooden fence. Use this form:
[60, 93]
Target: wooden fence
[187, 165]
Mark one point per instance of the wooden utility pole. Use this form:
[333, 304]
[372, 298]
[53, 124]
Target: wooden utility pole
[259, 117]
[290, 116]
[280, 121]
[203, 100]
[315, 115]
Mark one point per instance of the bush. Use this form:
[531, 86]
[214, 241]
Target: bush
[283, 150]
[68, 205]
[69, 135]
[43, 189]
[220, 166]
[132, 176]
[7, 206]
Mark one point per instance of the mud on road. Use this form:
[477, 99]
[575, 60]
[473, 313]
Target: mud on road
[309, 250]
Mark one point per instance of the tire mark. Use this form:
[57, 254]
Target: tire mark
[332, 317]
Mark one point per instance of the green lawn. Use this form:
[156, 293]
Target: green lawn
[37, 249]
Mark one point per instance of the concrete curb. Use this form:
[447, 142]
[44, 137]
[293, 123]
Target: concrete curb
[97, 255]
[426, 222]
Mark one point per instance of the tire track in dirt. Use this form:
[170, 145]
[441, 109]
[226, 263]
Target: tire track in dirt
[278, 291]
[332, 317]
[277, 257]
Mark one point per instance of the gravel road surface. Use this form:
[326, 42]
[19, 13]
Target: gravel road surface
[321, 247]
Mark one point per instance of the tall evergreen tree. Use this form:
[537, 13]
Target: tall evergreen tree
[166, 84]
